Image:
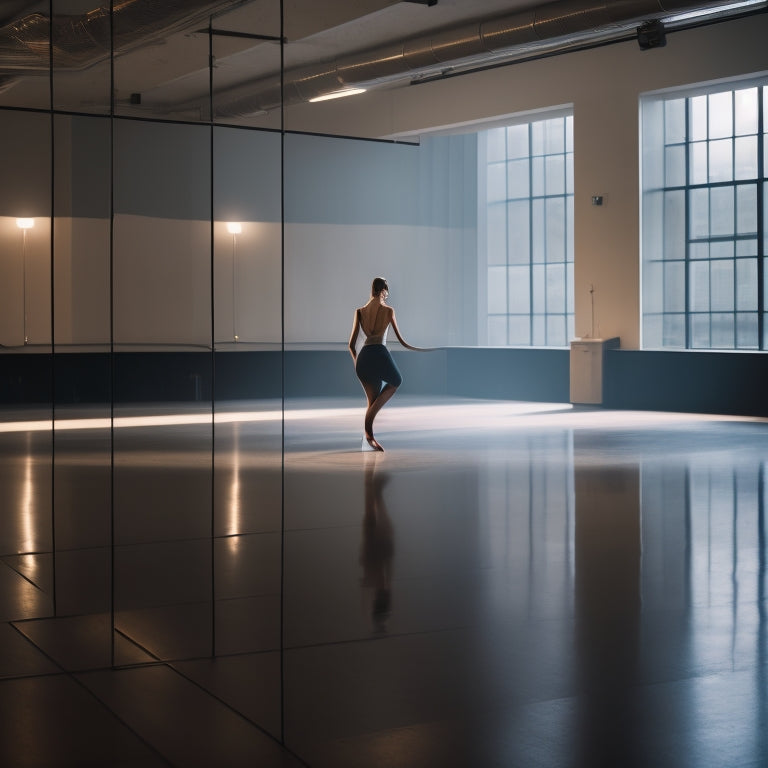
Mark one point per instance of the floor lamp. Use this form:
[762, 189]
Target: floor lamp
[24, 225]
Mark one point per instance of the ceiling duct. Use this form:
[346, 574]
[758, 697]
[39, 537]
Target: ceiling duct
[79, 41]
[472, 42]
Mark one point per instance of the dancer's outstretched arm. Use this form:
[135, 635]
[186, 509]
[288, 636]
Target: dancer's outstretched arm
[402, 340]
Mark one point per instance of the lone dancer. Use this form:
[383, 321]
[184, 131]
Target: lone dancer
[374, 365]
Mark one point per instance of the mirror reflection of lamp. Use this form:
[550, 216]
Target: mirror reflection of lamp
[24, 225]
[234, 228]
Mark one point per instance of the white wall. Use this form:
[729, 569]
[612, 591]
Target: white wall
[360, 209]
[604, 85]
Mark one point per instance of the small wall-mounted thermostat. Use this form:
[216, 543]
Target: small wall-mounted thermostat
[597, 199]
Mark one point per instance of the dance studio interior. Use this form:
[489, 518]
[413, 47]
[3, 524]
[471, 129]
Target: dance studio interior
[558, 560]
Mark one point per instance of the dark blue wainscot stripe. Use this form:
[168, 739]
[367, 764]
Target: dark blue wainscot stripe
[695, 382]
[511, 373]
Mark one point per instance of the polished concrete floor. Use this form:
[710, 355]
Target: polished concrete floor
[508, 584]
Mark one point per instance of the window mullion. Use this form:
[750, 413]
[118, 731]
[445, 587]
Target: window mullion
[761, 181]
[531, 306]
[687, 225]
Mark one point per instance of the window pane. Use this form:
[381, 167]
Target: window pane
[674, 225]
[496, 234]
[674, 121]
[556, 331]
[555, 174]
[495, 146]
[537, 138]
[765, 280]
[538, 241]
[674, 286]
[569, 134]
[720, 115]
[569, 173]
[721, 160]
[652, 331]
[555, 136]
[699, 250]
[721, 249]
[497, 290]
[518, 179]
[746, 247]
[519, 330]
[653, 225]
[699, 170]
[723, 331]
[569, 219]
[539, 331]
[674, 166]
[700, 336]
[673, 334]
[519, 289]
[746, 330]
[699, 213]
[653, 287]
[539, 291]
[556, 288]
[569, 289]
[746, 284]
[555, 213]
[746, 111]
[497, 330]
[518, 213]
[722, 286]
[517, 141]
[698, 127]
[746, 209]
[699, 286]
[722, 213]
[746, 158]
[497, 182]
[765, 217]
[537, 176]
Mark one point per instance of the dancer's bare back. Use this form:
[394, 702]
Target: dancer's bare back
[375, 318]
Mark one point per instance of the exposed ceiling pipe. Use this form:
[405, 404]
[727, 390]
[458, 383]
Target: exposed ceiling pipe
[476, 41]
[79, 41]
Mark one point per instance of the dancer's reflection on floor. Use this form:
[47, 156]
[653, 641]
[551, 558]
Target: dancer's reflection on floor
[377, 548]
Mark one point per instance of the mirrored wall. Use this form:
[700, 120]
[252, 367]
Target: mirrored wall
[141, 325]
[181, 254]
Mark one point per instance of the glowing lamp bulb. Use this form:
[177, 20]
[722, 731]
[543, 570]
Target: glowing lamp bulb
[25, 223]
[234, 227]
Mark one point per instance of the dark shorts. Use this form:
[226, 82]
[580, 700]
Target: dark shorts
[375, 365]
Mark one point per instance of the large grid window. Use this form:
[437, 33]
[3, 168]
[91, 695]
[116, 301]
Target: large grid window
[526, 232]
[704, 211]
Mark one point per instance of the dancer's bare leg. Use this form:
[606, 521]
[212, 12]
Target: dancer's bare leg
[374, 406]
[371, 393]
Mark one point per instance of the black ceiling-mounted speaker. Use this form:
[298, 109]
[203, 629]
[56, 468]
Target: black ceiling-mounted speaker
[651, 34]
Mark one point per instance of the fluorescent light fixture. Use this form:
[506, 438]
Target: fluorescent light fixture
[25, 223]
[724, 8]
[234, 227]
[338, 94]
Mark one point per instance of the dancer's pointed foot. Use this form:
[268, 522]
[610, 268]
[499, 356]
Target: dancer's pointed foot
[370, 443]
